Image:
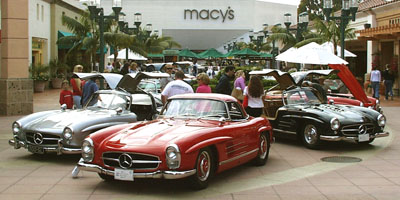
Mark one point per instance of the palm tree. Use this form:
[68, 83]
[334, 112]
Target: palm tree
[285, 37]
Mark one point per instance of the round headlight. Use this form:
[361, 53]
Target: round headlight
[67, 133]
[173, 156]
[16, 127]
[335, 124]
[87, 150]
[381, 120]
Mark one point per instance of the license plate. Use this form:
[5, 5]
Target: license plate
[363, 137]
[36, 149]
[123, 174]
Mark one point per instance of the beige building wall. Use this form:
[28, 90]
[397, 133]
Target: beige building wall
[15, 87]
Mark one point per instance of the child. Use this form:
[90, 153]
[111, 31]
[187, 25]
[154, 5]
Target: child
[66, 95]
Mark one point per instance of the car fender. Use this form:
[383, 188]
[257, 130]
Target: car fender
[207, 143]
[27, 119]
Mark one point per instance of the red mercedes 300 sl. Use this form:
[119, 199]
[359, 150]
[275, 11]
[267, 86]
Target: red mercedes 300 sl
[196, 136]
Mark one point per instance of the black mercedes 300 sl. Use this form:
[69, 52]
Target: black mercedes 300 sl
[304, 113]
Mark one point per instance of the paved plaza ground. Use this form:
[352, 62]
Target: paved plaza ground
[292, 171]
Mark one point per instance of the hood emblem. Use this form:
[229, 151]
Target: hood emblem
[38, 138]
[362, 129]
[125, 161]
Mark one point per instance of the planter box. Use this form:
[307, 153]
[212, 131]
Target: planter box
[56, 83]
[38, 86]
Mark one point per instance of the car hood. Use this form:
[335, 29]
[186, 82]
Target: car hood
[111, 78]
[283, 78]
[61, 119]
[157, 132]
[343, 113]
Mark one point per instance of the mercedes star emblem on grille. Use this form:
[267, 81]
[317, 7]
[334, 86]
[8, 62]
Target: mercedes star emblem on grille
[362, 129]
[38, 138]
[125, 161]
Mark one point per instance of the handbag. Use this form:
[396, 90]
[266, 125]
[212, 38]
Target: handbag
[245, 101]
[237, 93]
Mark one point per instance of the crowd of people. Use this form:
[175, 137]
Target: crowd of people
[375, 79]
[76, 92]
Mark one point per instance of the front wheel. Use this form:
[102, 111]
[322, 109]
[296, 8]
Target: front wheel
[263, 150]
[204, 169]
[311, 136]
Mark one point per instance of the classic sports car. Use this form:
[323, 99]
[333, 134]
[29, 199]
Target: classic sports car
[62, 131]
[196, 136]
[302, 111]
[357, 96]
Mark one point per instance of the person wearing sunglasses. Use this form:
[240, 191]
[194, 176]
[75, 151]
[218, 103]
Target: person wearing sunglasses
[164, 81]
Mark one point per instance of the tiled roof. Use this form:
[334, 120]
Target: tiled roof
[367, 4]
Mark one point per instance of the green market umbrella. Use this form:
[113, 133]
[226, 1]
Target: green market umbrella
[230, 54]
[188, 53]
[247, 52]
[210, 53]
[266, 55]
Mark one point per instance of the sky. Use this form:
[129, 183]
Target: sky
[291, 2]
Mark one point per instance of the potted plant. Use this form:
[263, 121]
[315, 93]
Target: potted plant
[40, 76]
[57, 72]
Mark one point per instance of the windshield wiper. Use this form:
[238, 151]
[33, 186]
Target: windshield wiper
[211, 116]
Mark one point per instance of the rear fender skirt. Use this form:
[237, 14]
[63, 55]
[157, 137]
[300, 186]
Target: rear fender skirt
[206, 143]
[101, 126]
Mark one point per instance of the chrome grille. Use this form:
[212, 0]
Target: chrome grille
[139, 161]
[48, 139]
[354, 129]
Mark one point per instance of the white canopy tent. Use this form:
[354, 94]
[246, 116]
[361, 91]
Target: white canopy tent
[329, 46]
[311, 53]
[131, 55]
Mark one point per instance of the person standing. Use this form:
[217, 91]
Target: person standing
[109, 67]
[133, 68]
[203, 81]
[66, 96]
[89, 89]
[255, 94]
[388, 78]
[195, 67]
[178, 86]
[164, 81]
[77, 85]
[224, 86]
[375, 81]
[125, 68]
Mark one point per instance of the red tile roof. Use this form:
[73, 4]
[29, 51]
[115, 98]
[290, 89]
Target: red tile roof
[367, 4]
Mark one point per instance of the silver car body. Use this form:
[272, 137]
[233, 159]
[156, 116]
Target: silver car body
[62, 131]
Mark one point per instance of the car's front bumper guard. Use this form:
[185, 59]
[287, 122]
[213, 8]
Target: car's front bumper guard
[59, 149]
[348, 138]
[157, 174]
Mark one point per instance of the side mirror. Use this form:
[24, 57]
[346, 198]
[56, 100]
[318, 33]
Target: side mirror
[64, 107]
[119, 110]
[222, 121]
[331, 101]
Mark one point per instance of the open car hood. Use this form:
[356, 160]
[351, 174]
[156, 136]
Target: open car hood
[299, 77]
[283, 78]
[111, 78]
[129, 82]
[351, 82]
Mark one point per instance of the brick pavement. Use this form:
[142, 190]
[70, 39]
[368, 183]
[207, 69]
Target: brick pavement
[292, 172]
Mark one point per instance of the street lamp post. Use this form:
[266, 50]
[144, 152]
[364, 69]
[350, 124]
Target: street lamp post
[348, 12]
[124, 27]
[97, 13]
[301, 26]
[257, 38]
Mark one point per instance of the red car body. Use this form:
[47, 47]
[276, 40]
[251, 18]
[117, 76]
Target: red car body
[229, 141]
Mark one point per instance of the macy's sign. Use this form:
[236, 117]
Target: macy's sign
[206, 14]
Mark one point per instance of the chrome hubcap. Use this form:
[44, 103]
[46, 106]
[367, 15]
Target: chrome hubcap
[310, 134]
[203, 166]
[263, 146]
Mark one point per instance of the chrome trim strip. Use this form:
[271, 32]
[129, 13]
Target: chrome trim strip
[133, 161]
[240, 148]
[59, 149]
[283, 131]
[233, 145]
[237, 157]
[346, 138]
[157, 174]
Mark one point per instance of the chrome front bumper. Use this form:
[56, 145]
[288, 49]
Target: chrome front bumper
[348, 138]
[157, 174]
[59, 149]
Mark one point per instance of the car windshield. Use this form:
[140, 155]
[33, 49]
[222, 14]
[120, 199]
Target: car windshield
[306, 96]
[109, 101]
[151, 86]
[195, 108]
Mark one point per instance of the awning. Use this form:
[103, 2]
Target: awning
[390, 31]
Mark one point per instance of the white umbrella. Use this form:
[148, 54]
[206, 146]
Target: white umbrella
[287, 54]
[329, 46]
[313, 53]
[131, 55]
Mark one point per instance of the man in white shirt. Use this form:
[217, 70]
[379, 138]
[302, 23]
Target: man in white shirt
[178, 86]
[109, 67]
